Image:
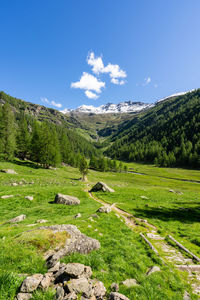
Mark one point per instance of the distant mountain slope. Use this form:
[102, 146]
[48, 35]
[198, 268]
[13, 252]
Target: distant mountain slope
[167, 134]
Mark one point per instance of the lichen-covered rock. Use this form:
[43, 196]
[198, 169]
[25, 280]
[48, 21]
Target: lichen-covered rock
[17, 219]
[66, 199]
[46, 281]
[31, 283]
[117, 296]
[104, 209]
[77, 242]
[101, 186]
[80, 286]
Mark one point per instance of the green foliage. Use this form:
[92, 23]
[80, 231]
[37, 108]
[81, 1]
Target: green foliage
[7, 133]
[83, 167]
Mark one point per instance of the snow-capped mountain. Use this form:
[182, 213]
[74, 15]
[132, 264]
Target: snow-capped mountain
[122, 107]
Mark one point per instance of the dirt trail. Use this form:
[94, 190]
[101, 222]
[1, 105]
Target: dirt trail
[167, 253]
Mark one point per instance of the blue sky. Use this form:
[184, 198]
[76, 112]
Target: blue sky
[47, 46]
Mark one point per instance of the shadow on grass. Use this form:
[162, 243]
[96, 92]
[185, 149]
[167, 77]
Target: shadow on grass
[27, 163]
[182, 214]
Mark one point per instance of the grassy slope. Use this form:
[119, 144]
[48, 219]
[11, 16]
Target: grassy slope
[122, 254]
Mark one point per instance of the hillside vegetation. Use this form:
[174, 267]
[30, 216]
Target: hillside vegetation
[167, 134]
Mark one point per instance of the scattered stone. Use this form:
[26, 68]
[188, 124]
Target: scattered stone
[104, 209]
[23, 296]
[96, 229]
[95, 216]
[130, 282]
[7, 196]
[91, 219]
[99, 289]
[152, 270]
[114, 287]
[66, 199]
[89, 226]
[74, 270]
[17, 219]
[144, 197]
[14, 184]
[154, 236]
[55, 268]
[77, 216]
[31, 283]
[101, 186]
[172, 191]
[30, 225]
[41, 221]
[117, 296]
[30, 198]
[101, 234]
[8, 171]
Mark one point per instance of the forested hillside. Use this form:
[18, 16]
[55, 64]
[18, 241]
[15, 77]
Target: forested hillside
[167, 135]
[44, 142]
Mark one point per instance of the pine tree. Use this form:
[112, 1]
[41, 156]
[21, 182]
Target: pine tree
[83, 168]
[7, 133]
[23, 138]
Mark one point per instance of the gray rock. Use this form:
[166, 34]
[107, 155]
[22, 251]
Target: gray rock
[114, 287]
[104, 209]
[30, 198]
[130, 282]
[17, 219]
[77, 216]
[117, 296]
[23, 296]
[7, 196]
[95, 216]
[14, 184]
[60, 293]
[76, 242]
[74, 270]
[80, 286]
[8, 171]
[101, 186]
[41, 221]
[31, 283]
[152, 270]
[99, 289]
[66, 199]
[144, 197]
[186, 296]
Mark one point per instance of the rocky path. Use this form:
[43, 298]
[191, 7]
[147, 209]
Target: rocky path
[168, 253]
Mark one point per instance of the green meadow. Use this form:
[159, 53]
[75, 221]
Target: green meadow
[122, 254]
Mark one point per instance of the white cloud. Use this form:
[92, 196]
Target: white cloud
[147, 80]
[45, 100]
[117, 81]
[65, 110]
[114, 71]
[96, 63]
[156, 85]
[53, 103]
[91, 95]
[59, 105]
[88, 82]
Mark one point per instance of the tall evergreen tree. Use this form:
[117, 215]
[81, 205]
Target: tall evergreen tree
[7, 133]
[23, 138]
[83, 168]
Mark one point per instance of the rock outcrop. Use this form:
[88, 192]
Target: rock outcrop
[66, 199]
[9, 171]
[101, 187]
[17, 219]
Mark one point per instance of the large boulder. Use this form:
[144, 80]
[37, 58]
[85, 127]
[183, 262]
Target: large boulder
[101, 187]
[23, 296]
[76, 242]
[80, 286]
[66, 199]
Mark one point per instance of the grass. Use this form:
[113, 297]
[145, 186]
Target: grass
[122, 254]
